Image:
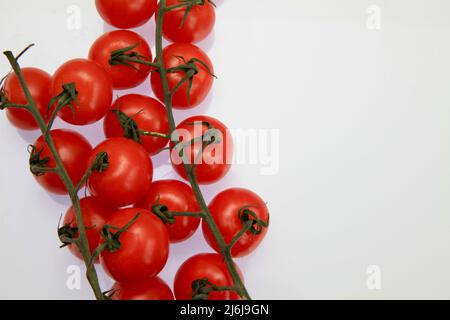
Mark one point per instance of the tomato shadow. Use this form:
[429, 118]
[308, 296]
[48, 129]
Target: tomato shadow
[207, 44]
[29, 136]
[63, 200]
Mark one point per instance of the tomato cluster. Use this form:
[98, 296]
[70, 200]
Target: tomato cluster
[130, 219]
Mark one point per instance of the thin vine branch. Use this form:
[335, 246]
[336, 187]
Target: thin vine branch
[82, 242]
[239, 286]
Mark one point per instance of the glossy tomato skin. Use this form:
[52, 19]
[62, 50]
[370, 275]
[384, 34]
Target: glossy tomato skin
[147, 289]
[225, 209]
[123, 76]
[216, 158]
[95, 215]
[202, 82]
[126, 14]
[197, 26]
[38, 82]
[74, 151]
[149, 115]
[128, 176]
[206, 265]
[94, 87]
[177, 196]
[144, 247]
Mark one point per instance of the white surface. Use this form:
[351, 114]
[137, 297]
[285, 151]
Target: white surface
[364, 173]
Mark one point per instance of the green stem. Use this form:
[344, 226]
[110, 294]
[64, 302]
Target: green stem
[82, 241]
[140, 61]
[247, 226]
[172, 214]
[225, 250]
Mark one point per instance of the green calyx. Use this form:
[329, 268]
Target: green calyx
[246, 215]
[126, 56]
[189, 4]
[38, 164]
[163, 213]
[101, 162]
[191, 69]
[112, 239]
[201, 289]
[67, 234]
[129, 126]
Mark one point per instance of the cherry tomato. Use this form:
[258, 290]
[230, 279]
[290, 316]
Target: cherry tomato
[149, 115]
[206, 265]
[126, 14]
[94, 216]
[216, 158]
[197, 26]
[74, 151]
[202, 81]
[123, 76]
[38, 82]
[94, 87]
[177, 196]
[146, 289]
[226, 208]
[128, 176]
[144, 247]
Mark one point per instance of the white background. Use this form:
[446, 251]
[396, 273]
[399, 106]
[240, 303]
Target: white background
[364, 172]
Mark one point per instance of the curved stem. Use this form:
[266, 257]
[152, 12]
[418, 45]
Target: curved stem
[82, 242]
[226, 251]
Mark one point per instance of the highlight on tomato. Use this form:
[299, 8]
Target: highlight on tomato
[38, 82]
[136, 117]
[95, 215]
[125, 73]
[142, 249]
[193, 25]
[208, 266]
[127, 176]
[211, 150]
[174, 196]
[93, 87]
[126, 14]
[145, 289]
[233, 209]
[74, 151]
[185, 60]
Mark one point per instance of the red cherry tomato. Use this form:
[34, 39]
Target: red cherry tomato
[123, 76]
[149, 115]
[38, 82]
[94, 87]
[94, 216]
[74, 151]
[126, 14]
[206, 265]
[197, 26]
[225, 209]
[177, 196]
[144, 247]
[128, 176]
[216, 158]
[146, 289]
[201, 84]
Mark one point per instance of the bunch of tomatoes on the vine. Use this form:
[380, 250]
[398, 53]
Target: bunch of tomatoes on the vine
[130, 219]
